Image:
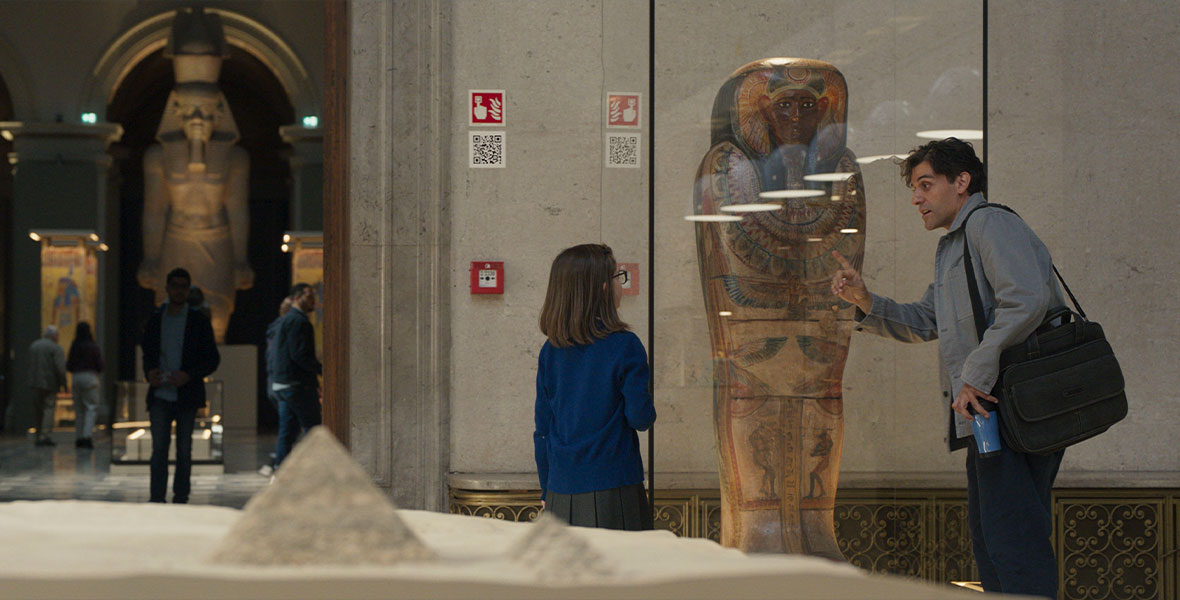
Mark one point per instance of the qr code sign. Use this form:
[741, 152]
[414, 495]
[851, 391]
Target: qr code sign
[487, 150]
[622, 150]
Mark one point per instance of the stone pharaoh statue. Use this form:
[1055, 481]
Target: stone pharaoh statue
[779, 338]
[196, 179]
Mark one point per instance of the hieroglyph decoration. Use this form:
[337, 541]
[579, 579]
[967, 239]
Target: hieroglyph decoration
[69, 288]
[779, 337]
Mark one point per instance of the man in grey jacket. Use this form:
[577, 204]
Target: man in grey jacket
[47, 375]
[1008, 503]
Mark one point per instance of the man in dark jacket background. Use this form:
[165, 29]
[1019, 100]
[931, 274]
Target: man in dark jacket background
[296, 371]
[178, 354]
[272, 331]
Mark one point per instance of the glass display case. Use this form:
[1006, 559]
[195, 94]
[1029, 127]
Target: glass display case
[131, 435]
[307, 266]
[767, 136]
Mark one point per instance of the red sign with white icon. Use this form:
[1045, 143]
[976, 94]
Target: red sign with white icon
[631, 288]
[486, 107]
[623, 109]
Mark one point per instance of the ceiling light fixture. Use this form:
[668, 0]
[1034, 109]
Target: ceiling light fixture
[712, 218]
[752, 207]
[827, 177]
[864, 160]
[941, 134]
[782, 194]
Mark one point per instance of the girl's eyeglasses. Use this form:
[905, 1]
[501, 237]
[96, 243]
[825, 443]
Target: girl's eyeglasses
[622, 274]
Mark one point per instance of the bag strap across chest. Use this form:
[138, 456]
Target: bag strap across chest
[973, 287]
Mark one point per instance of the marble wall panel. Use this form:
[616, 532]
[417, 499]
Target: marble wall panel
[399, 254]
[624, 191]
[1087, 162]
[554, 192]
[370, 179]
[369, 369]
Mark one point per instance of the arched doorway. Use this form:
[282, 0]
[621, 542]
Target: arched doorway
[260, 106]
[6, 114]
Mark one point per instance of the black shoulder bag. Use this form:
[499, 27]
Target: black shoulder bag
[1060, 386]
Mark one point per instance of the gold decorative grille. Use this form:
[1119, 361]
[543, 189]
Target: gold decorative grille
[710, 517]
[952, 555]
[677, 515]
[1110, 543]
[884, 536]
[506, 506]
[1112, 547]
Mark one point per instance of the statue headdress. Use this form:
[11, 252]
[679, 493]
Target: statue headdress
[737, 118]
[197, 48]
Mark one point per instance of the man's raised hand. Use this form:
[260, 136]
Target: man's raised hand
[848, 285]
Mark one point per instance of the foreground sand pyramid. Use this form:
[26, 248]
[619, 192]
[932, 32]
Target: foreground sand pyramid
[321, 509]
[556, 553]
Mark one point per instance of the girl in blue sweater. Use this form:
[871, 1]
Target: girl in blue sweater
[592, 397]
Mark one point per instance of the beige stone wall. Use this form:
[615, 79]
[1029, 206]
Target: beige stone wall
[556, 61]
[1082, 118]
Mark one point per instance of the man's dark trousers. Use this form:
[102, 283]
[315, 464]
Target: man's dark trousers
[162, 414]
[1010, 512]
[299, 410]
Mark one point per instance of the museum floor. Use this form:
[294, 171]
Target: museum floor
[63, 472]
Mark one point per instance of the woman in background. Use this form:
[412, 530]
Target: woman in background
[85, 364]
[592, 397]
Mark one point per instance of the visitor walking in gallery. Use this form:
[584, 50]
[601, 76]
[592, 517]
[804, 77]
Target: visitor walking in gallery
[272, 330]
[178, 354]
[592, 397]
[47, 375]
[296, 372]
[84, 364]
[1009, 506]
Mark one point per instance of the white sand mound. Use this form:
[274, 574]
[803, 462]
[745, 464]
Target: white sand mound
[323, 509]
[64, 550]
[556, 553]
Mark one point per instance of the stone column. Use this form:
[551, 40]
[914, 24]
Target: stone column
[60, 181]
[398, 303]
[307, 176]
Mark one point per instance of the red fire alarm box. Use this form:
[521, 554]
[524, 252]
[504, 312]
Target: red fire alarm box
[487, 277]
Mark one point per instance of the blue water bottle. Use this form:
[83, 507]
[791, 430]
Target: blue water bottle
[986, 430]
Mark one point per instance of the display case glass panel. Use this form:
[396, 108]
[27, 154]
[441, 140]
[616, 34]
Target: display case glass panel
[131, 435]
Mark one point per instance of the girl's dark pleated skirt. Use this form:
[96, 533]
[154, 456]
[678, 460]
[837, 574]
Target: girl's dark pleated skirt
[617, 508]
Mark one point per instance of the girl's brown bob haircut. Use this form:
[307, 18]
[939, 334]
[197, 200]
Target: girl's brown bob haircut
[579, 304]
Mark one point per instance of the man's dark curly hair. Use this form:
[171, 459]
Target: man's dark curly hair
[948, 158]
